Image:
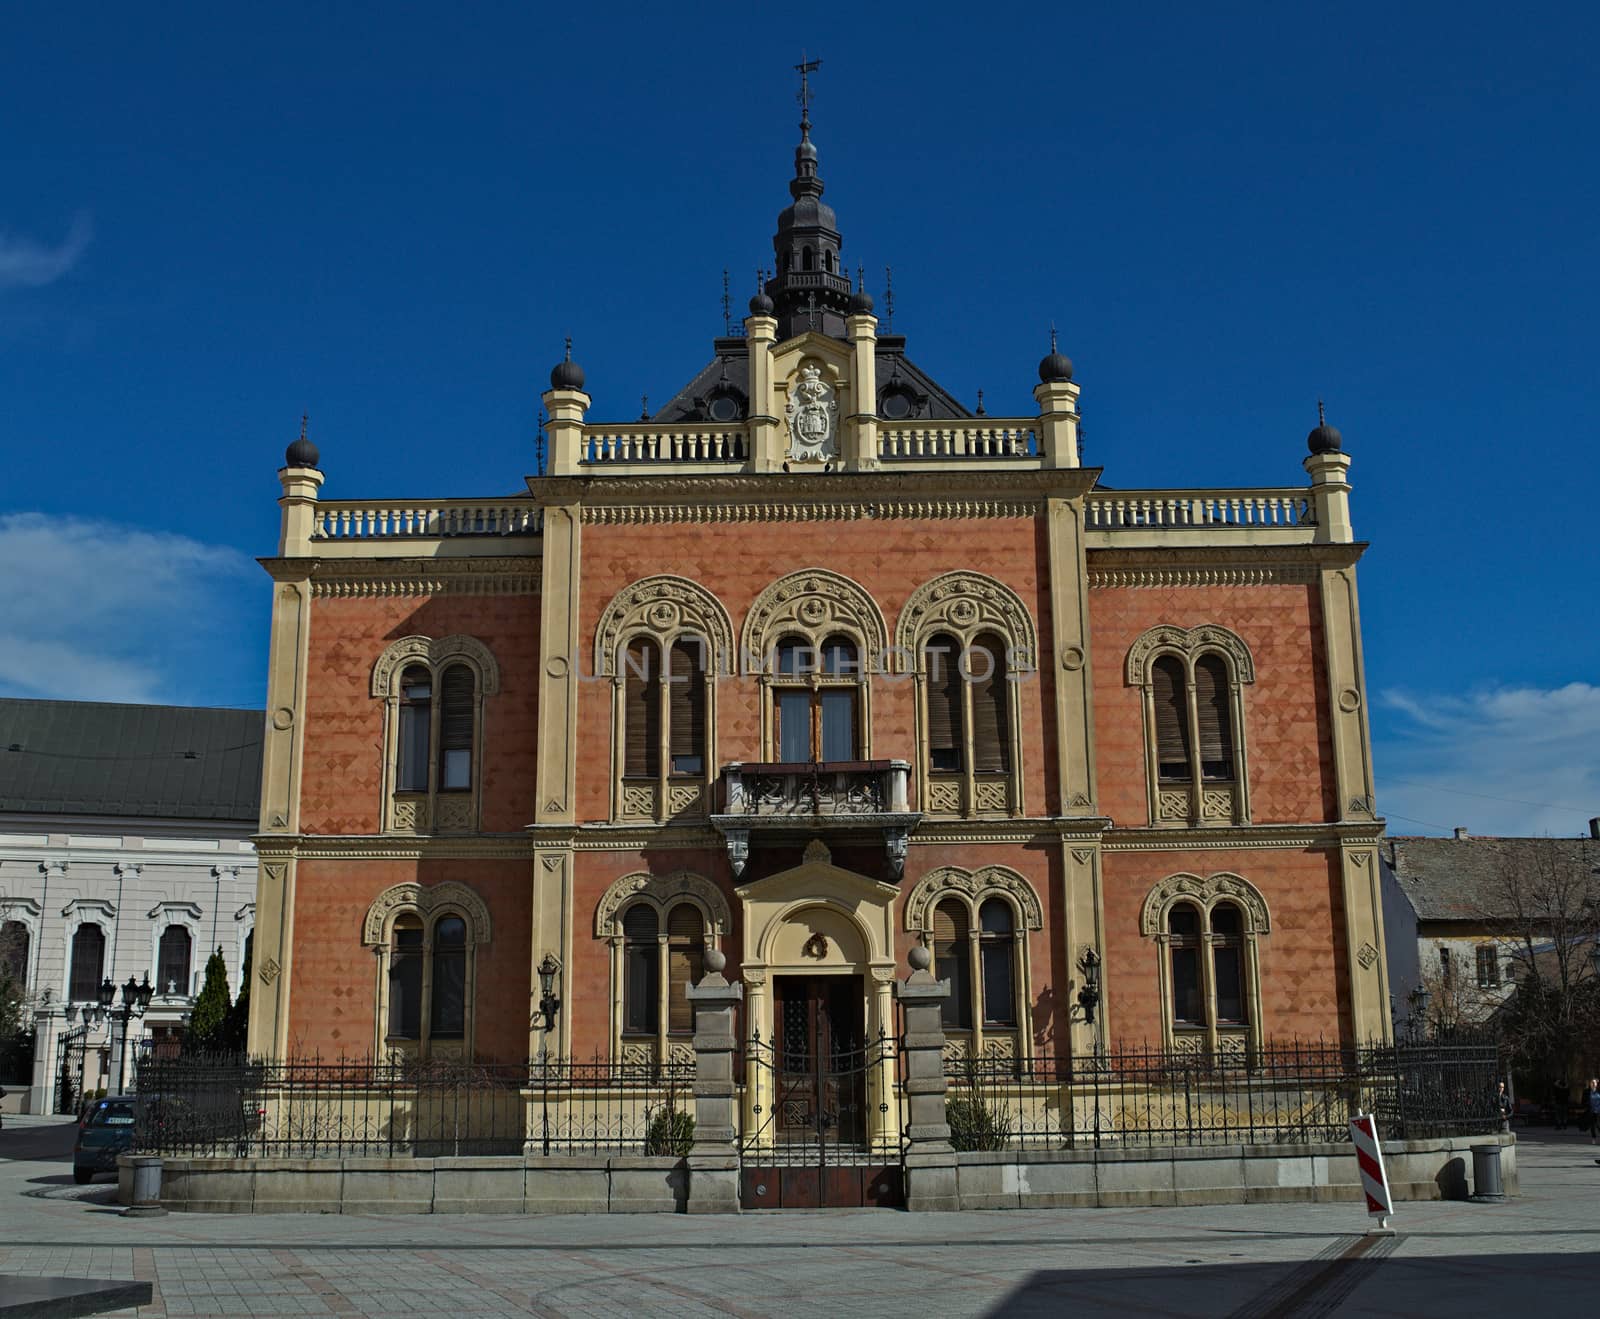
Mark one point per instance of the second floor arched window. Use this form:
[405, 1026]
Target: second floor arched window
[173, 961]
[88, 963]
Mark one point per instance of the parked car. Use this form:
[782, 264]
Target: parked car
[104, 1131]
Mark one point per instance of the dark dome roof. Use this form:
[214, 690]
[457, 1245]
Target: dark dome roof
[1325, 439]
[761, 305]
[301, 453]
[566, 375]
[861, 303]
[1057, 366]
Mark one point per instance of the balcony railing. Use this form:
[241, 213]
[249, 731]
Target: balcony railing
[910, 441]
[651, 444]
[818, 797]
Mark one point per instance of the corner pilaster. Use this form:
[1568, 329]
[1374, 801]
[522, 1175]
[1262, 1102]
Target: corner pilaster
[862, 332]
[766, 448]
[1058, 422]
[1069, 658]
[560, 650]
[564, 413]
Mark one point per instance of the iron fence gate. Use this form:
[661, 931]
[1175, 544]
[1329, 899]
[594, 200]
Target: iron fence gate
[72, 1050]
[823, 1117]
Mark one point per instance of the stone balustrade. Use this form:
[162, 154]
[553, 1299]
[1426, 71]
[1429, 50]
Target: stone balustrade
[909, 441]
[376, 519]
[1116, 510]
[650, 444]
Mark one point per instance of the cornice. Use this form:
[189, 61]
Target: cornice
[1215, 565]
[401, 847]
[1321, 837]
[358, 578]
[843, 496]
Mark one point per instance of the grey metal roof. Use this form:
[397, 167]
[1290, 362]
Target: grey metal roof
[1463, 879]
[167, 761]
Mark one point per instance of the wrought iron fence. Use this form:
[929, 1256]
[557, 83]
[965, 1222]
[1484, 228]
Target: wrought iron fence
[314, 1108]
[1284, 1093]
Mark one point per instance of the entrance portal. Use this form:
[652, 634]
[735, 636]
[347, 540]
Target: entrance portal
[818, 1042]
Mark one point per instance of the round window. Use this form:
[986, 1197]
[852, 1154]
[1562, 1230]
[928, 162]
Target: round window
[895, 406]
[724, 407]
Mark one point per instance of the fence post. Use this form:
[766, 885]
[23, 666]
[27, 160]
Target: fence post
[714, 1156]
[930, 1161]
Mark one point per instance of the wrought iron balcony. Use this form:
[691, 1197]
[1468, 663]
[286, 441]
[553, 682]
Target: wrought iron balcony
[780, 798]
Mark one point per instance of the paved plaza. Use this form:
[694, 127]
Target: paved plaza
[1266, 1261]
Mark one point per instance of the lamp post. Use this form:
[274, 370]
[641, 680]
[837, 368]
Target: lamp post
[549, 1000]
[135, 999]
[1089, 995]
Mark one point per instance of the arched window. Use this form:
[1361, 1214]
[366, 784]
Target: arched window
[405, 979]
[827, 261]
[642, 709]
[805, 258]
[641, 978]
[447, 1013]
[172, 961]
[996, 948]
[952, 961]
[434, 693]
[817, 710]
[1183, 943]
[457, 704]
[15, 941]
[946, 704]
[686, 708]
[88, 963]
[973, 640]
[1194, 726]
[1207, 932]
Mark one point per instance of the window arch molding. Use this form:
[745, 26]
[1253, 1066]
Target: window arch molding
[428, 905]
[663, 611]
[969, 608]
[28, 913]
[78, 913]
[1195, 800]
[996, 1030]
[1205, 896]
[812, 608]
[663, 892]
[813, 604]
[664, 607]
[435, 808]
[186, 915]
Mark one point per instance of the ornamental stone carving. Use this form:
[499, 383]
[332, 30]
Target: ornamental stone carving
[814, 605]
[975, 886]
[1189, 642]
[667, 607]
[813, 416]
[425, 899]
[434, 652]
[967, 603]
[662, 891]
[1223, 886]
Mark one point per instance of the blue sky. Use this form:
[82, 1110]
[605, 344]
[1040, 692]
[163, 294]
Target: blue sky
[213, 218]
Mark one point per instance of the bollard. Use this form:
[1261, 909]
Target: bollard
[146, 1187]
[1487, 1188]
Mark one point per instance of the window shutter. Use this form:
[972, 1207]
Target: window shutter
[940, 658]
[987, 666]
[1216, 723]
[952, 961]
[640, 990]
[686, 717]
[455, 727]
[685, 947]
[642, 709]
[1172, 718]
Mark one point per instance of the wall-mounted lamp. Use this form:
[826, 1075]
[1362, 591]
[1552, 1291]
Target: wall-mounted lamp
[549, 1000]
[1089, 994]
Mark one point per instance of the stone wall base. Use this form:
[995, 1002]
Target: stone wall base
[1215, 1174]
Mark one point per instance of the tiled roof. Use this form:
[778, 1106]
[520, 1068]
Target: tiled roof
[1456, 879]
[165, 761]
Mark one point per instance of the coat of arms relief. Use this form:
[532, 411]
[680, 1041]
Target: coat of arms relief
[812, 414]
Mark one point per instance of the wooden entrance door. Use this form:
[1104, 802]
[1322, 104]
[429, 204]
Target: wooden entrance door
[819, 1061]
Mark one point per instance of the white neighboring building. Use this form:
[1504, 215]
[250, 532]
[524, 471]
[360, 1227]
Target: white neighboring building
[125, 853]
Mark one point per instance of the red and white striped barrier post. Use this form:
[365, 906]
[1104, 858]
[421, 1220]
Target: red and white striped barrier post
[1369, 1157]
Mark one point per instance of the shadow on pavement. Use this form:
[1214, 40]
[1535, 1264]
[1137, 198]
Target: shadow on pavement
[42, 1144]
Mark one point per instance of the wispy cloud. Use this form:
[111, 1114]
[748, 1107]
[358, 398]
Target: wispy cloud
[95, 611]
[28, 264]
[1510, 760]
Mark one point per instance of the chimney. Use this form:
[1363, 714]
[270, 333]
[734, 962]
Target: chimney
[1594, 826]
[1461, 833]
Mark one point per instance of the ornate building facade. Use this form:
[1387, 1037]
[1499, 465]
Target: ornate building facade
[811, 666]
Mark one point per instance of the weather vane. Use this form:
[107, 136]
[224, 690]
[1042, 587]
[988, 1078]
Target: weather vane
[805, 69]
[888, 299]
[727, 305]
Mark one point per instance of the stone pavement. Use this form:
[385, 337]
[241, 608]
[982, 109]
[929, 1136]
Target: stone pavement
[1270, 1261]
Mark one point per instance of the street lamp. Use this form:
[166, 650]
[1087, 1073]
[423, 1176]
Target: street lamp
[1089, 995]
[135, 999]
[549, 1001]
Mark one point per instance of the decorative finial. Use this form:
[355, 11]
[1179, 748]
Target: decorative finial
[644, 407]
[981, 412]
[805, 69]
[888, 298]
[1322, 414]
[727, 305]
[1052, 336]
[305, 417]
[861, 279]
[568, 357]
[539, 444]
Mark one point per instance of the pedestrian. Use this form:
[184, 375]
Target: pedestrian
[1592, 1104]
[1502, 1105]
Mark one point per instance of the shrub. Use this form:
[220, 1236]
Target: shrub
[976, 1126]
[671, 1131]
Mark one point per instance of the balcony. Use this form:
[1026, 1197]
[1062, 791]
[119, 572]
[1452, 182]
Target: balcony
[780, 800]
